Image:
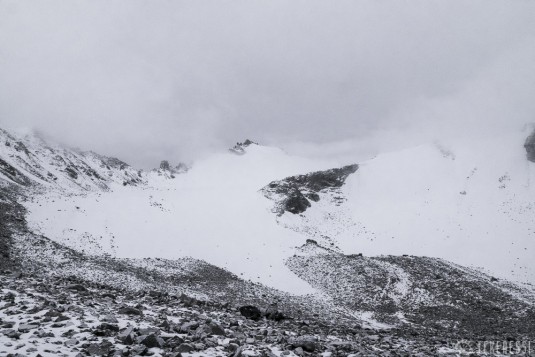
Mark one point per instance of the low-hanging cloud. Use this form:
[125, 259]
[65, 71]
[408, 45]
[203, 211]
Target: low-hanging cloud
[146, 80]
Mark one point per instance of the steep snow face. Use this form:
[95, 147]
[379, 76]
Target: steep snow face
[469, 202]
[214, 212]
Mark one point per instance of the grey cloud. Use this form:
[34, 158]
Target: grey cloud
[151, 79]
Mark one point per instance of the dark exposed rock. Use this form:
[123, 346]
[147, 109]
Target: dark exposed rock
[293, 194]
[307, 343]
[71, 171]
[185, 347]
[215, 329]
[164, 165]
[174, 341]
[239, 148]
[296, 202]
[52, 313]
[61, 318]
[128, 310]
[529, 145]
[13, 174]
[27, 327]
[106, 329]
[151, 341]
[273, 313]
[101, 349]
[77, 287]
[251, 312]
[167, 169]
[126, 336]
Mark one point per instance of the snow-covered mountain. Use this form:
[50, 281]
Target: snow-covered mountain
[471, 202]
[28, 159]
[384, 242]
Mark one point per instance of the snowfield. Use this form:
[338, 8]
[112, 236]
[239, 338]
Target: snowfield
[470, 202]
[475, 206]
[467, 201]
[214, 213]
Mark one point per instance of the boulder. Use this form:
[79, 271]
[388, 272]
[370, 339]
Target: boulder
[185, 347]
[250, 312]
[307, 343]
[128, 310]
[151, 341]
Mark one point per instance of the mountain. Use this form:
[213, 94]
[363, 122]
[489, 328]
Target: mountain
[272, 251]
[468, 201]
[29, 160]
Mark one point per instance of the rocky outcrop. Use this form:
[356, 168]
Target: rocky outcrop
[239, 148]
[169, 171]
[295, 193]
[529, 145]
[164, 165]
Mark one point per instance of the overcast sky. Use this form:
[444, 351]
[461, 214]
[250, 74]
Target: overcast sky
[146, 80]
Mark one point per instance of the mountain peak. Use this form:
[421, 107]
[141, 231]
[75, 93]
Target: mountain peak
[169, 171]
[239, 148]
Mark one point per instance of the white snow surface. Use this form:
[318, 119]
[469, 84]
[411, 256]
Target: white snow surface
[214, 213]
[470, 202]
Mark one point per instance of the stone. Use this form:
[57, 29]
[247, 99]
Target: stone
[151, 341]
[138, 350]
[174, 341]
[101, 349]
[61, 318]
[216, 330]
[307, 343]
[52, 313]
[106, 329]
[76, 287]
[189, 326]
[71, 342]
[110, 319]
[27, 327]
[185, 347]
[128, 310]
[250, 312]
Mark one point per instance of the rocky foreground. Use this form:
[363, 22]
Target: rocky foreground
[61, 317]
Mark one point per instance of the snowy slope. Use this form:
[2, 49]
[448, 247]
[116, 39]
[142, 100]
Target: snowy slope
[471, 202]
[29, 160]
[213, 212]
